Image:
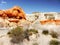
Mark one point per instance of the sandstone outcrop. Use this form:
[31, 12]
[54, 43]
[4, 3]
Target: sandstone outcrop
[15, 12]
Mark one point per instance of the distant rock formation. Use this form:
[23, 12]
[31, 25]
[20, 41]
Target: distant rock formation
[15, 12]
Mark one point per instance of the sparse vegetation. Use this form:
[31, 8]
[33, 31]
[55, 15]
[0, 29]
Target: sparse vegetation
[32, 31]
[18, 34]
[54, 34]
[29, 32]
[54, 42]
[45, 32]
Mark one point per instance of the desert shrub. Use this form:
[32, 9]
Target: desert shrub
[54, 42]
[29, 32]
[32, 31]
[15, 31]
[54, 34]
[17, 35]
[26, 33]
[45, 32]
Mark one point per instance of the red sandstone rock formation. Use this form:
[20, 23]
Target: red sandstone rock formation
[15, 12]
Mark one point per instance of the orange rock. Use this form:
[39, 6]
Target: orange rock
[1, 12]
[15, 12]
[57, 22]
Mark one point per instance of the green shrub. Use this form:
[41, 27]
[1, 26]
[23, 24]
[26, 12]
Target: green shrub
[54, 42]
[16, 31]
[32, 31]
[17, 35]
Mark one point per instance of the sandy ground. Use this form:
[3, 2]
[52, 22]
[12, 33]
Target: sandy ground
[41, 39]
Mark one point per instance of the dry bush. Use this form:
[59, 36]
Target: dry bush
[18, 34]
[45, 32]
[54, 42]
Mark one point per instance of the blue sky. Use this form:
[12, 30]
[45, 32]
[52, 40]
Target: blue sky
[30, 6]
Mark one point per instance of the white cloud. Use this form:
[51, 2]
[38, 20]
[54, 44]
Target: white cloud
[3, 2]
